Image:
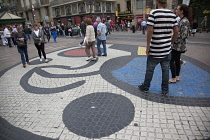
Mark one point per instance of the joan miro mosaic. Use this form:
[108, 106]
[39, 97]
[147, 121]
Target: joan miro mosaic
[90, 99]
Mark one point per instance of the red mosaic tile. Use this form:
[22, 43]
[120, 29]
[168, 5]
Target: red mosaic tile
[78, 52]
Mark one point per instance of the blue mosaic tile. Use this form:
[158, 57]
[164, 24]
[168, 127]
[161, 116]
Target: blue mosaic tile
[194, 82]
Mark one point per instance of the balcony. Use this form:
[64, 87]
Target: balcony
[45, 2]
[57, 2]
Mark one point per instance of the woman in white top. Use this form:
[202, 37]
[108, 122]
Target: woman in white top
[90, 40]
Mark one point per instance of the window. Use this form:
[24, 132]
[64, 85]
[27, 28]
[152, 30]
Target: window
[149, 3]
[118, 7]
[139, 4]
[129, 5]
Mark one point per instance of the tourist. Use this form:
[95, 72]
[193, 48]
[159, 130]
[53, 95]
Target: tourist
[38, 37]
[159, 42]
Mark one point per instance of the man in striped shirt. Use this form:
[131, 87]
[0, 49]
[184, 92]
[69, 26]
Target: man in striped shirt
[161, 23]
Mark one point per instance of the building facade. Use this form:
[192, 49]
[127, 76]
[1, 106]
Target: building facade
[138, 10]
[69, 12]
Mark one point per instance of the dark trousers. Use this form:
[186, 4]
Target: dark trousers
[151, 64]
[9, 41]
[13, 40]
[133, 28]
[24, 54]
[144, 28]
[40, 49]
[48, 37]
[175, 63]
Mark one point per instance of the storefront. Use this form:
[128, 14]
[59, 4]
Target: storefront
[126, 15]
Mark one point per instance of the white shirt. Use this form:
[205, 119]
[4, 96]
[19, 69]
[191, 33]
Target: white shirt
[6, 33]
[36, 32]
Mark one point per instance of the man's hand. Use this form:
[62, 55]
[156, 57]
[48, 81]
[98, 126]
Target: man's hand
[40, 39]
[147, 51]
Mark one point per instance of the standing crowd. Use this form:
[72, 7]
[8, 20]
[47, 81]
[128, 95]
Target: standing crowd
[167, 34]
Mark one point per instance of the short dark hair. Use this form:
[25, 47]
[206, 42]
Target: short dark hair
[184, 8]
[163, 3]
[88, 21]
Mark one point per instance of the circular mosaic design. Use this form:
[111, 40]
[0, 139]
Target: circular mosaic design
[98, 114]
[78, 52]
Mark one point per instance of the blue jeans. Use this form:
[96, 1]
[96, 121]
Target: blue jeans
[99, 48]
[63, 33]
[23, 53]
[28, 36]
[151, 64]
[54, 34]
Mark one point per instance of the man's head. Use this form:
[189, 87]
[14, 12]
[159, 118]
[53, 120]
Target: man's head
[98, 20]
[161, 3]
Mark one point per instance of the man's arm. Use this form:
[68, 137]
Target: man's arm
[175, 34]
[150, 30]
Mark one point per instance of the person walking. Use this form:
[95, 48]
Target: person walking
[143, 25]
[101, 38]
[3, 39]
[129, 27]
[161, 23]
[204, 24]
[47, 32]
[179, 45]
[108, 27]
[90, 40]
[14, 30]
[7, 35]
[83, 31]
[194, 27]
[21, 40]
[27, 31]
[53, 32]
[38, 37]
[63, 29]
[133, 26]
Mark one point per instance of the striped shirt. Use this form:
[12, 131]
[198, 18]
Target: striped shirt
[163, 21]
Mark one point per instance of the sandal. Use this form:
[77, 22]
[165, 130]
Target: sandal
[171, 82]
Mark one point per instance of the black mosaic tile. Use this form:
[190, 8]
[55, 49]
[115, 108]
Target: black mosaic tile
[99, 122]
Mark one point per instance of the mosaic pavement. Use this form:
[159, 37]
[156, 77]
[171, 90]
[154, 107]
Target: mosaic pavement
[70, 98]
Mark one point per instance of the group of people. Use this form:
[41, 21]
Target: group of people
[162, 47]
[93, 32]
[20, 39]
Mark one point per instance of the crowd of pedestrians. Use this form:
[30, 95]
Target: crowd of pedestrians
[167, 32]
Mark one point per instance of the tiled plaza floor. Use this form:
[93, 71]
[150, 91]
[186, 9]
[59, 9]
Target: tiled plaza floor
[72, 99]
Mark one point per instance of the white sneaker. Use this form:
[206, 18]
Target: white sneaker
[93, 59]
[88, 59]
[40, 59]
[46, 60]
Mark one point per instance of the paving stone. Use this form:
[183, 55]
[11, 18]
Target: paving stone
[40, 94]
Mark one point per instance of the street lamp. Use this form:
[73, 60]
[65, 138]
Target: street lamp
[90, 2]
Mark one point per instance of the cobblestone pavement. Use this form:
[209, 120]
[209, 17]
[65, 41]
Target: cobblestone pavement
[72, 99]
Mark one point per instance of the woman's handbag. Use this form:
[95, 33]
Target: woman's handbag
[21, 43]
